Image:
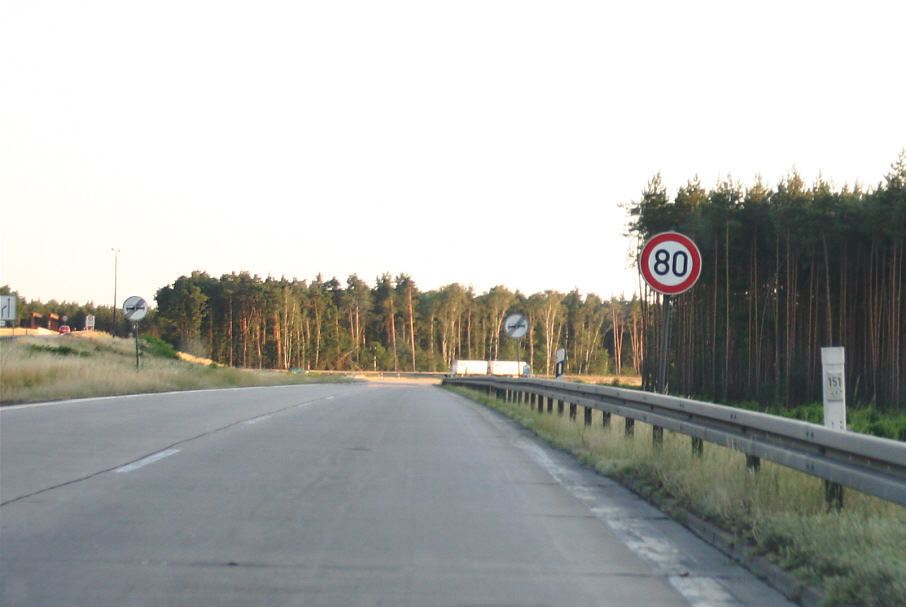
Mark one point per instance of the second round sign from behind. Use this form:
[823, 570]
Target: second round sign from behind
[135, 308]
[670, 262]
[515, 326]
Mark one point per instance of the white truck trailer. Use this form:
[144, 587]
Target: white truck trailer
[505, 368]
[469, 367]
[509, 368]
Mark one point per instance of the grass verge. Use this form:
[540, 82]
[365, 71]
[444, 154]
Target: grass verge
[854, 557]
[43, 368]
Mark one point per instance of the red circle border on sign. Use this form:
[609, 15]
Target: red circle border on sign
[648, 249]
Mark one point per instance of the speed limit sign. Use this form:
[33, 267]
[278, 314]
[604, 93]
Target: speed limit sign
[670, 263]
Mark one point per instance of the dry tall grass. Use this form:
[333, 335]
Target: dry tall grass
[43, 368]
[857, 555]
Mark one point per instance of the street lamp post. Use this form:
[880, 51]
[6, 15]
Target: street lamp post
[116, 253]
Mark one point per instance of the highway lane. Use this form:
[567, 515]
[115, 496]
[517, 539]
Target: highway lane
[361, 494]
[57, 443]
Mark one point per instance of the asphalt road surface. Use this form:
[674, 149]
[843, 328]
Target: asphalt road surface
[340, 495]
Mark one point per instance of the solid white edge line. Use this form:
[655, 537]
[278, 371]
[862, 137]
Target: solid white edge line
[639, 536]
[69, 401]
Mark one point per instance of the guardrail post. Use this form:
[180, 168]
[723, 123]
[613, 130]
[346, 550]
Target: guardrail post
[606, 421]
[698, 447]
[572, 411]
[753, 462]
[630, 426]
[588, 416]
[550, 404]
[833, 495]
[559, 407]
[657, 435]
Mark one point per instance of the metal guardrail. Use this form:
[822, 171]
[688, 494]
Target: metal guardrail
[876, 466]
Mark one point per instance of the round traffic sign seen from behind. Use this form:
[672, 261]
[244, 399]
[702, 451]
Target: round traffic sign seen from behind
[135, 308]
[516, 325]
[670, 262]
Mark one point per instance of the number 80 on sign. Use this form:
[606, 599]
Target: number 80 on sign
[670, 263]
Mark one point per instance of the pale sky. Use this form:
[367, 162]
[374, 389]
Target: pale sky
[480, 142]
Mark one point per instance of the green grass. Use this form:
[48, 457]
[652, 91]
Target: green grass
[35, 369]
[856, 555]
[61, 350]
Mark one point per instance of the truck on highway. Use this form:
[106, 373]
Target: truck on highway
[507, 368]
[469, 367]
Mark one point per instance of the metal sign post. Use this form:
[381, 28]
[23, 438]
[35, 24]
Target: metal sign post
[135, 309]
[516, 327]
[665, 342]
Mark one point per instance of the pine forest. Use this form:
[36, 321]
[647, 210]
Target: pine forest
[786, 270]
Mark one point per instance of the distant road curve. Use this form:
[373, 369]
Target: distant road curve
[373, 493]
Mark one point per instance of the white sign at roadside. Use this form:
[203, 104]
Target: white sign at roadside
[7, 307]
[832, 362]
